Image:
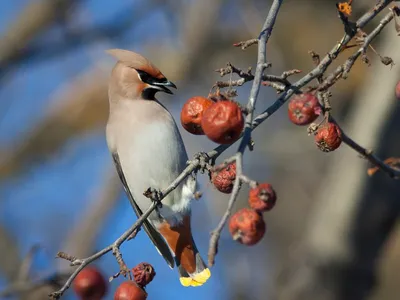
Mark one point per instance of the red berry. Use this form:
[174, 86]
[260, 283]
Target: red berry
[247, 226]
[90, 284]
[303, 109]
[129, 290]
[328, 137]
[143, 274]
[398, 90]
[262, 198]
[192, 113]
[223, 122]
[224, 178]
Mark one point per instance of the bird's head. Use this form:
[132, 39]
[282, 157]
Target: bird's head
[134, 76]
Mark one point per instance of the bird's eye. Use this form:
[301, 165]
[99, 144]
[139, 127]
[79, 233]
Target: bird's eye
[145, 77]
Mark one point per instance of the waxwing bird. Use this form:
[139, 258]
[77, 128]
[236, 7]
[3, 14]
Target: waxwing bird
[148, 151]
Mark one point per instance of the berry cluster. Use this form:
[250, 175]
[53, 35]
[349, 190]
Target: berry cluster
[247, 225]
[90, 284]
[303, 109]
[220, 119]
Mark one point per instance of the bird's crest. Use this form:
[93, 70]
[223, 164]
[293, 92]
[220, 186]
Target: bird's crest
[136, 61]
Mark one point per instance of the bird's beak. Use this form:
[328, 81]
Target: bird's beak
[163, 86]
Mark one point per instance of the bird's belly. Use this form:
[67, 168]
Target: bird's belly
[153, 157]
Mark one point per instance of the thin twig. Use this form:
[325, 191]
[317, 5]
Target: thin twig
[215, 235]
[367, 41]
[246, 44]
[321, 68]
[246, 138]
[369, 155]
[343, 70]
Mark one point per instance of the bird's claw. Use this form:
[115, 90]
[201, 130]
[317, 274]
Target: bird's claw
[155, 195]
[204, 162]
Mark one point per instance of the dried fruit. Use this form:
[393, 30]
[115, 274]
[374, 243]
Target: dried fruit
[247, 226]
[143, 274]
[328, 137]
[345, 8]
[262, 198]
[223, 122]
[90, 284]
[129, 290]
[303, 109]
[398, 90]
[192, 113]
[224, 178]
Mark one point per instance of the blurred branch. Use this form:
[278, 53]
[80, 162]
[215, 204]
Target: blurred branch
[52, 280]
[9, 258]
[121, 22]
[83, 235]
[83, 107]
[36, 17]
[197, 27]
[26, 264]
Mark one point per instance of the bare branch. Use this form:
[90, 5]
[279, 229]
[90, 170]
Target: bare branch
[246, 44]
[372, 158]
[246, 138]
[321, 68]
[215, 235]
[33, 19]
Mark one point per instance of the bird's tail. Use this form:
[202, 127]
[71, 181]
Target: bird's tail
[191, 267]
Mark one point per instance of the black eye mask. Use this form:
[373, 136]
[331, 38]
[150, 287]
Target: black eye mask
[155, 84]
[147, 78]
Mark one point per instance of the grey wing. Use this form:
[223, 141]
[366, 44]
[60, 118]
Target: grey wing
[153, 234]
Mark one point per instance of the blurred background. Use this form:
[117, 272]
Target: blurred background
[333, 233]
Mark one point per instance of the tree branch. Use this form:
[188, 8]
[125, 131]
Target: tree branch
[246, 138]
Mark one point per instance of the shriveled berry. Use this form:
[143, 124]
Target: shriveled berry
[398, 90]
[192, 113]
[224, 178]
[303, 109]
[223, 122]
[247, 226]
[129, 290]
[143, 274]
[262, 198]
[328, 137]
[90, 284]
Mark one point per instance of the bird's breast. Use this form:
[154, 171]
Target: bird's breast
[152, 154]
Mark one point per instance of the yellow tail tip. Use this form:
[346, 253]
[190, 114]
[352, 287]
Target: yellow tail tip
[198, 279]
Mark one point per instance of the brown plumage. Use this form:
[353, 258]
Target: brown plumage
[180, 240]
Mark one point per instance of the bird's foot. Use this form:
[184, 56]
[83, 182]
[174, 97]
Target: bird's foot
[205, 162]
[155, 195]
